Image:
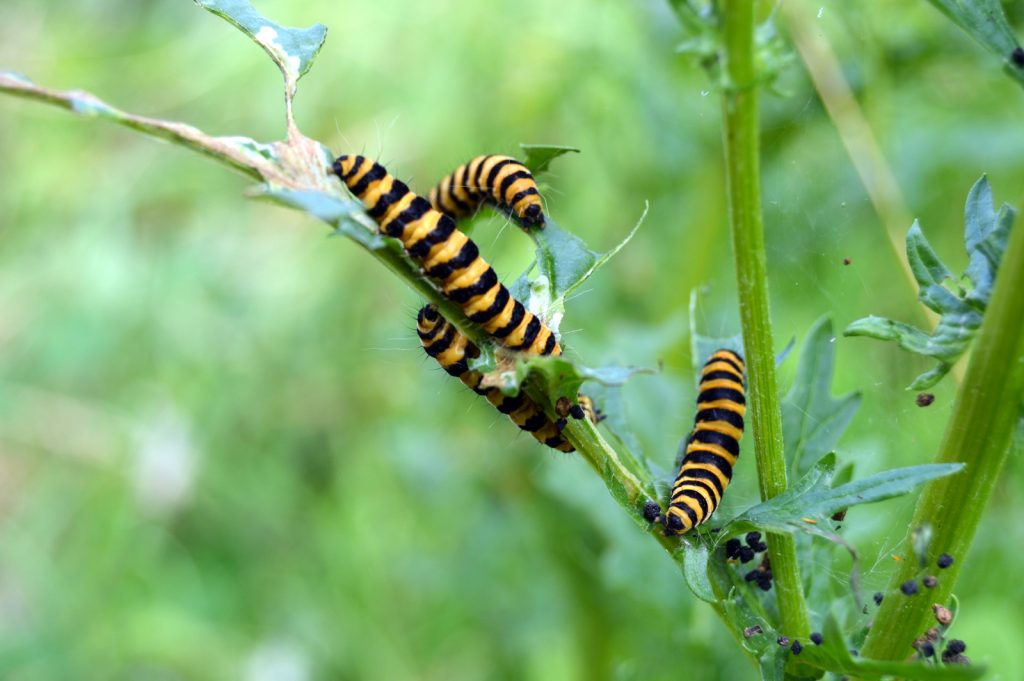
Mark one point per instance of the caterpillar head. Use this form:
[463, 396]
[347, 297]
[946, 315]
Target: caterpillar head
[533, 214]
[345, 164]
[427, 321]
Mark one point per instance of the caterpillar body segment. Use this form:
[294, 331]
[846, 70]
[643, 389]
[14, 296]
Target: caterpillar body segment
[452, 350]
[447, 255]
[712, 447]
[501, 181]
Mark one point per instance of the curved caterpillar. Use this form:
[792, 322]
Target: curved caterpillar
[452, 350]
[447, 256]
[711, 448]
[499, 180]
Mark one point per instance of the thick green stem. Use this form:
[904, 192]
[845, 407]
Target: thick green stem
[979, 434]
[743, 176]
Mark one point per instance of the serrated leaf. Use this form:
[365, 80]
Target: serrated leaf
[984, 21]
[985, 234]
[292, 49]
[812, 420]
[813, 498]
[695, 570]
[833, 655]
[540, 156]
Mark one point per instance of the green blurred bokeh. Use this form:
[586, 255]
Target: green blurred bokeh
[222, 452]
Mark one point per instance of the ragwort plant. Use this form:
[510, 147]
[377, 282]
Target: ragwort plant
[805, 491]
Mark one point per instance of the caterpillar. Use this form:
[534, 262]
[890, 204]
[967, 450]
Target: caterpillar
[447, 255]
[452, 350]
[499, 180]
[711, 448]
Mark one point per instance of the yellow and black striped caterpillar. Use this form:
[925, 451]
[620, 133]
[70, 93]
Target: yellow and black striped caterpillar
[447, 256]
[452, 350]
[711, 448]
[499, 180]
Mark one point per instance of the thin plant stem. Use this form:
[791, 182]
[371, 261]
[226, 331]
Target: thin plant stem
[741, 146]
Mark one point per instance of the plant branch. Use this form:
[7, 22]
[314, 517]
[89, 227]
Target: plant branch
[979, 434]
[741, 146]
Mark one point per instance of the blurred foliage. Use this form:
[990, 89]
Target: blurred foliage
[222, 453]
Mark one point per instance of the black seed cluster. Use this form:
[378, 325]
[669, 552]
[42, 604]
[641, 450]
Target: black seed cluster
[909, 588]
[945, 560]
[953, 654]
[796, 648]
[735, 549]
[878, 597]
[817, 638]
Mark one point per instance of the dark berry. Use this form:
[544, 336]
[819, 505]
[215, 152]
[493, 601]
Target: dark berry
[746, 554]
[761, 546]
[927, 649]
[732, 548]
[796, 647]
[816, 638]
[651, 511]
[764, 584]
[783, 641]
[753, 538]
[909, 588]
[878, 597]
[955, 646]
[752, 575]
[945, 560]
[1017, 56]
[930, 582]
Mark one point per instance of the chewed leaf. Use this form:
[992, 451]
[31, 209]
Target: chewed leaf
[566, 260]
[986, 232]
[985, 21]
[540, 156]
[292, 49]
[834, 655]
[812, 421]
[562, 377]
[813, 501]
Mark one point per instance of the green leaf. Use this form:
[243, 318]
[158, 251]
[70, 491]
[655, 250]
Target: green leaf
[540, 156]
[695, 570]
[833, 655]
[986, 233]
[984, 21]
[702, 346]
[812, 497]
[562, 377]
[812, 421]
[292, 49]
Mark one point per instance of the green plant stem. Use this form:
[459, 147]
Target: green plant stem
[979, 434]
[740, 135]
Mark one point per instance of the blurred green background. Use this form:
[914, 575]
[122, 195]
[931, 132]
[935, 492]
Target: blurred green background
[223, 454]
